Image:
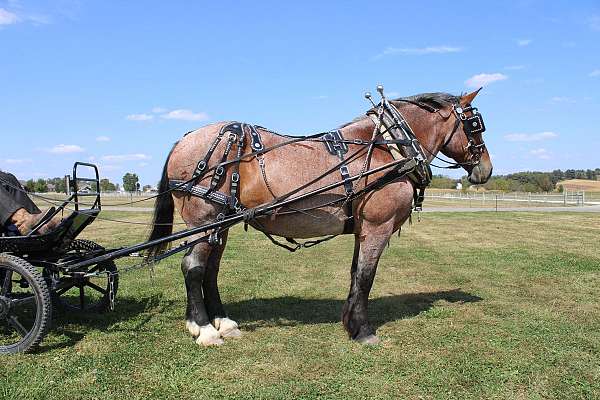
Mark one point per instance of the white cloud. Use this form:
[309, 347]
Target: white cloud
[185, 115]
[109, 167]
[524, 42]
[484, 79]
[530, 137]
[158, 110]
[139, 117]
[595, 73]
[102, 139]
[514, 67]
[418, 50]
[17, 160]
[540, 153]
[66, 149]
[562, 99]
[143, 164]
[594, 22]
[126, 157]
[8, 18]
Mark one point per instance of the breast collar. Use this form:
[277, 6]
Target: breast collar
[393, 125]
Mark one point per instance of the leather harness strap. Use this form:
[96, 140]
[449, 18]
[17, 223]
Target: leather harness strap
[394, 126]
[335, 145]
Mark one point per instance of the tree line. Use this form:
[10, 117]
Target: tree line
[530, 181]
[59, 185]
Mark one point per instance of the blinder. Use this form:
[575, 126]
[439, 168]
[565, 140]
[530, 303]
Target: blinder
[471, 125]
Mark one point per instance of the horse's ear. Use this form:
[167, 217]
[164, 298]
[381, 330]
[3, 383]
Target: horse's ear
[468, 98]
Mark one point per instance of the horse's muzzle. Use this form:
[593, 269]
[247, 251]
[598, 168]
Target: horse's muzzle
[481, 173]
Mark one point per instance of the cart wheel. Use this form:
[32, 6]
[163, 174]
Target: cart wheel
[91, 294]
[25, 306]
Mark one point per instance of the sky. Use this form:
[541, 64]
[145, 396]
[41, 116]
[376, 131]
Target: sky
[118, 82]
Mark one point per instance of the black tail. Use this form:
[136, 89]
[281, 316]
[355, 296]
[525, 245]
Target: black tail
[163, 211]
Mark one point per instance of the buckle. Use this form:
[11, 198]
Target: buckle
[344, 171]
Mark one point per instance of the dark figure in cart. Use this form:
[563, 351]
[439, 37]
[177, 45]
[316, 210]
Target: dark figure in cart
[18, 212]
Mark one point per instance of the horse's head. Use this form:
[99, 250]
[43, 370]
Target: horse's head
[464, 142]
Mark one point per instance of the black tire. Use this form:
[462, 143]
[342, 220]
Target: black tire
[70, 296]
[25, 306]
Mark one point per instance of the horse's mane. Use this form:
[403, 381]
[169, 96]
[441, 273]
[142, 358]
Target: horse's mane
[436, 100]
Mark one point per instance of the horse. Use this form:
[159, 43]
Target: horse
[437, 120]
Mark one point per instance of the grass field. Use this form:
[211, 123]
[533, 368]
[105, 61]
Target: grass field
[468, 306]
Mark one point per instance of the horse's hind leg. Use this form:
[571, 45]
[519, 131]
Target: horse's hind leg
[194, 266]
[212, 299]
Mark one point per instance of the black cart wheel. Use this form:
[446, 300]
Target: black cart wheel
[25, 306]
[90, 294]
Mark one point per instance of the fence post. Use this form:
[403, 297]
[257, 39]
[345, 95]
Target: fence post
[583, 198]
[496, 202]
[565, 197]
[529, 199]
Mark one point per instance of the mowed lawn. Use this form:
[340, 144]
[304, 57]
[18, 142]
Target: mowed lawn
[468, 306]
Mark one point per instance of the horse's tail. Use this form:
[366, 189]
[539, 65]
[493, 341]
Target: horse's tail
[163, 212]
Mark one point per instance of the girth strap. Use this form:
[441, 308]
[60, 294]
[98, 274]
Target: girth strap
[203, 163]
[220, 171]
[235, 175]
[336, 146]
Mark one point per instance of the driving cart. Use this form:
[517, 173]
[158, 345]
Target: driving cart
[35, 272]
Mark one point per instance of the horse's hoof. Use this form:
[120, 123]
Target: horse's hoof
[193, 328]
[209, 336]
[369, 340]
[232, 333]
[227, 328]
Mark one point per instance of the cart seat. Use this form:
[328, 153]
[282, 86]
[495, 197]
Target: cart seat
[57, 239]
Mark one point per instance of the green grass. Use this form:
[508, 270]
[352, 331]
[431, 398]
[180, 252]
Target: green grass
[468, 306]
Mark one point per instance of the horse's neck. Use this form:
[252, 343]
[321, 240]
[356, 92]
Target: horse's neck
[430, 135]
[427, 128]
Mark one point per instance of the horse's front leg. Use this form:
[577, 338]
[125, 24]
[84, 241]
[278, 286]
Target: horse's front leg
[369, 244]
[194, 267]
[212, 299]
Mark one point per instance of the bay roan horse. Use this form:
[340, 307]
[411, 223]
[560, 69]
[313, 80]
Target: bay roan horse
[377, 214]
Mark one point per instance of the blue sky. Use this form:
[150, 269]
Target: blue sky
[118, 82]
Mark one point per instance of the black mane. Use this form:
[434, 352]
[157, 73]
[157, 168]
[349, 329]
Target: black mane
[437, 100]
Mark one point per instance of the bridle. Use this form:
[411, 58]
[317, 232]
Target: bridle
[471, 125]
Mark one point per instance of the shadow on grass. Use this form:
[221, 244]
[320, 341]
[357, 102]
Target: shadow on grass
[71, 327]
[291, 311]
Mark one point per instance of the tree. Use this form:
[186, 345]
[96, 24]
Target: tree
[442, 182]
[30, 185]
[107, 186]
[59, 184]
[130, 182]
[40, 186]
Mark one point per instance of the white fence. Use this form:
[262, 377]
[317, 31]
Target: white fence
[566, 198]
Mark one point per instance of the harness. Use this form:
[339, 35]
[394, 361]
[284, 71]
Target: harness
[391, 130]
[392, 124]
